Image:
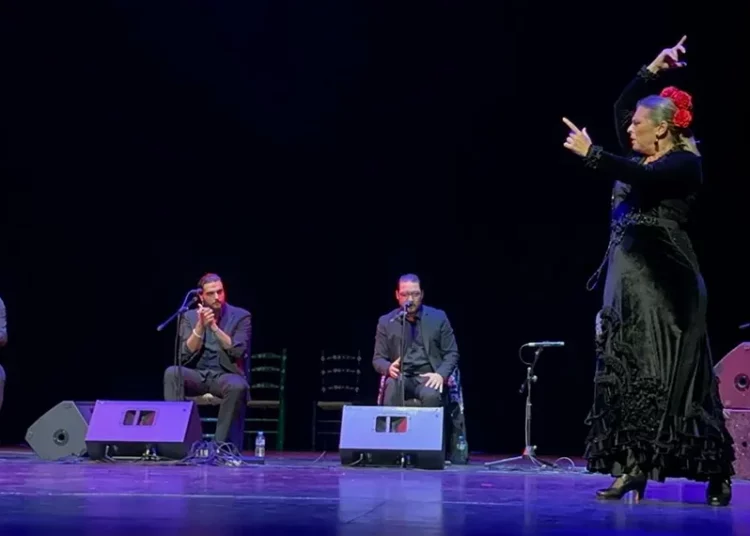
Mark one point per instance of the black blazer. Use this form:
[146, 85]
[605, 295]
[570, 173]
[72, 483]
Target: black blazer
[235, 322]
[3, 325]
[437, 337]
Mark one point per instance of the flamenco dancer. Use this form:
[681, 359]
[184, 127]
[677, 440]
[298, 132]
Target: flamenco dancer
[656, 410]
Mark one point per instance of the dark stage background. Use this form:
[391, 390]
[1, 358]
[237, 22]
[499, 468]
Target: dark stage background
[311, 152]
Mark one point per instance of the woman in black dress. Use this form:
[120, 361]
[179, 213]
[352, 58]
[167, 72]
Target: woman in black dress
[656, 411]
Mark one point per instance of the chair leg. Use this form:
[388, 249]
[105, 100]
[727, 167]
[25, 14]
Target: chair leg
[281, 424]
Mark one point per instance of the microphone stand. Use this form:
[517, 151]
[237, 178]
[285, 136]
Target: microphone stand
[403, 351]
[190, 298]
[529, 451]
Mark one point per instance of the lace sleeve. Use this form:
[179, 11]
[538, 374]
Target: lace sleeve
[678, 167]
[626, 103]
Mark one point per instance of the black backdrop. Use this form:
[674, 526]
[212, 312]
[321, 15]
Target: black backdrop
[312, 152]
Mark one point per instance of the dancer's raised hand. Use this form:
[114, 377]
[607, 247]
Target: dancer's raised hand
[578, 140]
[669, 58]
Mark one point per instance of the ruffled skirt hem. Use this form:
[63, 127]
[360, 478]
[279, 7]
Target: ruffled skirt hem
[630, 423]
[679, 454]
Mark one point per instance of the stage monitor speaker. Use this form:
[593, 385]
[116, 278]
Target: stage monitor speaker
[61, 432]
[738, 424]
[121, 429]
[733, 373]
[383, 435]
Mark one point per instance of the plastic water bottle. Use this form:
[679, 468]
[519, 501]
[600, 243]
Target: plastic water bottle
[462, 448]
[260, 445]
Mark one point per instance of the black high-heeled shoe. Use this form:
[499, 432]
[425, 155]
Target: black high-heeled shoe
[719, 492]
[634, 481]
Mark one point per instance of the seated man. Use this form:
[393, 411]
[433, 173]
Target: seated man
[3, 342]
[430, 350]
[218, 335]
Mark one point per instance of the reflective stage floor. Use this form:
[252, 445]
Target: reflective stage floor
[299, 494]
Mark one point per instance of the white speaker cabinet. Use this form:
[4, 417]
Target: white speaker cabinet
[384, 435]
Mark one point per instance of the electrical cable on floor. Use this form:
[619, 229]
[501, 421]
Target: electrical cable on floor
[322, 455]
[72, 459]
[226, 454]
[565, 458]
[213, 453]
[359, 460]
[201, 453]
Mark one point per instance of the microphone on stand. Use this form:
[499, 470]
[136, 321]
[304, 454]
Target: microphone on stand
[544, 344]
[192, 296]
[402, 312]
[190, 299]
[539, 345]
[402, 343]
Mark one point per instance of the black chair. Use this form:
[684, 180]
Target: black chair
[267, 401]
[339, 386]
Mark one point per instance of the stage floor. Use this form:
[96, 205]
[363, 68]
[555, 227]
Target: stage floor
[300, 494]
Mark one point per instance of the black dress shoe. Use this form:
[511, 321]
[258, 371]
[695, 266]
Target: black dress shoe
[634, 481]
[719, 492]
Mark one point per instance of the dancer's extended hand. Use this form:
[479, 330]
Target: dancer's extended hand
[578, 140]
[669, 58]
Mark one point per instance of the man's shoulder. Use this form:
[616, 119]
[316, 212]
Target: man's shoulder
[434, 312]
[386, 318]
[237, 311]
[383, 319]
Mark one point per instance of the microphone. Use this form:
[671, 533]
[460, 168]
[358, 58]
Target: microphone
[190, 299]
[402, 312]
[544, 344]
[745, 326]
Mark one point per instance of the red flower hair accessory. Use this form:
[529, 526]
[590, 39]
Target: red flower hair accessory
[682, 118]
[684, 102]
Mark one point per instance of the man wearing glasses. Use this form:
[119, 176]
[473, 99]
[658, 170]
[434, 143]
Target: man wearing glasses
[423, 336]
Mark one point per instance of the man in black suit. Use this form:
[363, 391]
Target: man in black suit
[215, 352]
[3, 342]
[430, 352]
